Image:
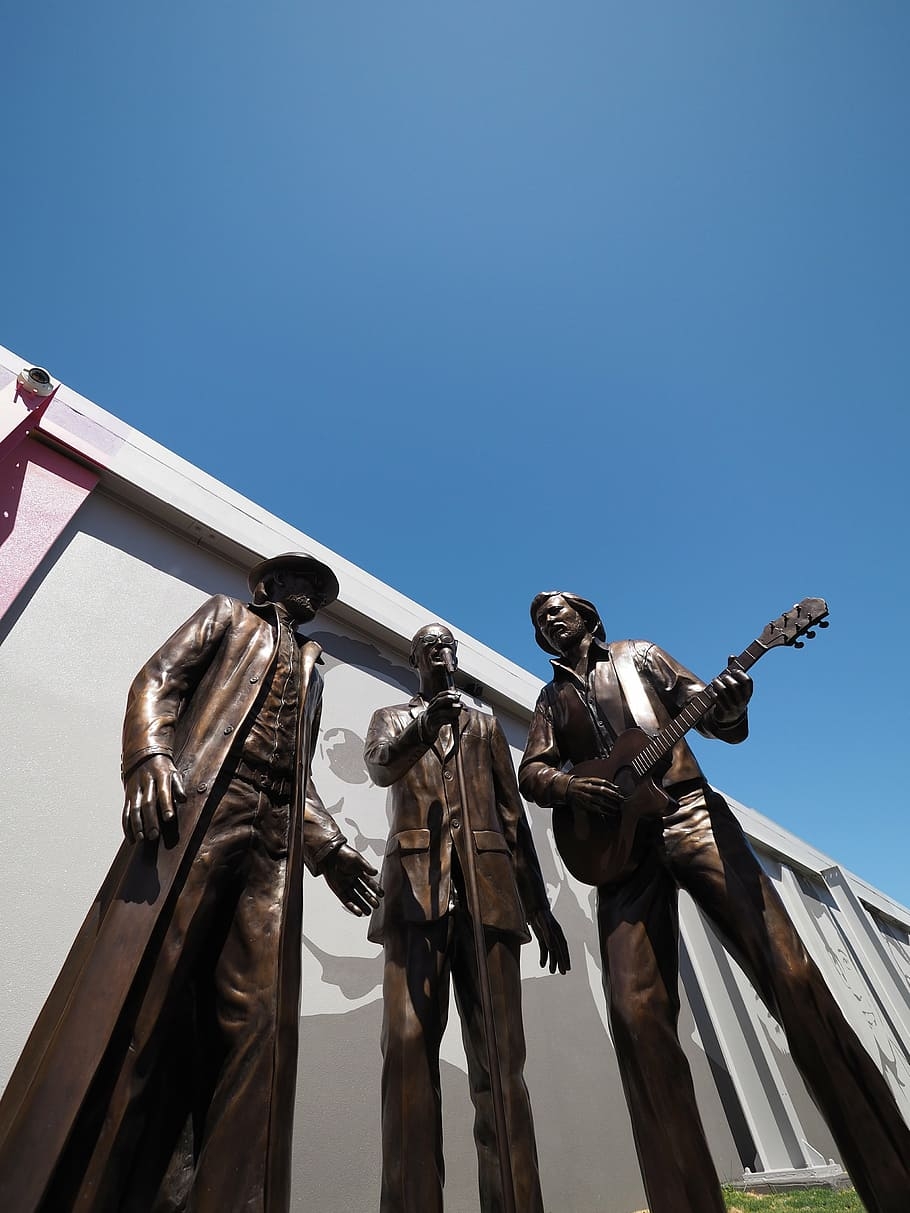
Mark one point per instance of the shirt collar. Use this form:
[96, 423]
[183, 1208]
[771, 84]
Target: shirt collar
[598, 650]
[285, 617]
[281, 616]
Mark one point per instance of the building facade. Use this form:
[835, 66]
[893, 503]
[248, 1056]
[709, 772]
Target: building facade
[107, 542]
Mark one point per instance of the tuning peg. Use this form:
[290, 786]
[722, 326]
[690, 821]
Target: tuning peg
[824, 623]
[810, 635]
[798, 644]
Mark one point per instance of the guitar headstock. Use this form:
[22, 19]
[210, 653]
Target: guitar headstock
[797, 622]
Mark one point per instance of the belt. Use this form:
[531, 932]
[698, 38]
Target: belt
[267, 779]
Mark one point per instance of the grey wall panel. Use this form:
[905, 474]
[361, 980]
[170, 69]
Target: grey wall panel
[897, 941]
[826, 930]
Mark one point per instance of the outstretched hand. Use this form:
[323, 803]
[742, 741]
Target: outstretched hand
[351, 879]
[153, 790]
[553, 947]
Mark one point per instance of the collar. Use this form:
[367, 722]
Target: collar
[273, 612]
[286, 620]
[599, 650]
[418, 702]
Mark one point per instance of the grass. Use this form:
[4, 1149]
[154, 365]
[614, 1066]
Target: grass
[812, 1200]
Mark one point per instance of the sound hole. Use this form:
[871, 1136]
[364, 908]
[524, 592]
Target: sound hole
[625, 780]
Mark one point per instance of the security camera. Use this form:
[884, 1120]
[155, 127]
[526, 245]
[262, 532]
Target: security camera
[36, 380]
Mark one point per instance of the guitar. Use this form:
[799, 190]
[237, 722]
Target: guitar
[596, 847]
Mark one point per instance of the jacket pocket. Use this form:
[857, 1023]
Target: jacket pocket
[501, 904]
[410, 840]
[487, 840]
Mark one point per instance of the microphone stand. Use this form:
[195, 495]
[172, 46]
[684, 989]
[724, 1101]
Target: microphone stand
[483, 972]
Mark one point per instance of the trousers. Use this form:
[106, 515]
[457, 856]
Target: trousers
[701, 848]
[420, 961]
[190, 1121]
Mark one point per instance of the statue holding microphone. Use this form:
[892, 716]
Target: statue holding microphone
[462, 884]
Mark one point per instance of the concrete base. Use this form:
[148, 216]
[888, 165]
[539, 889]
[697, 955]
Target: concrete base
[831, 1176]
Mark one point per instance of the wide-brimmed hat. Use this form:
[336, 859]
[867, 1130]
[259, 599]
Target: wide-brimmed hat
[586, 609]
[300, 562]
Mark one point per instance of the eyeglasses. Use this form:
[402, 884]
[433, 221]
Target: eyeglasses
[432, 642]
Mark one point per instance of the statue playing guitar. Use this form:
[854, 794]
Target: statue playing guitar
[634, 816]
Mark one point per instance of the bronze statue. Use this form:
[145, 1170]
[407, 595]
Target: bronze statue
[599, 691]
[161, 1072]
[425, 924]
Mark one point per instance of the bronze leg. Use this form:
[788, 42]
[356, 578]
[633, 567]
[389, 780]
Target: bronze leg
[503, 963]
[112, 1160]
[203, 916]
[638, 927]
[232, 1171]
[415, 1008]
[714, 862]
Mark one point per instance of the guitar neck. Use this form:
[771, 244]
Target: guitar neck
[698, 707]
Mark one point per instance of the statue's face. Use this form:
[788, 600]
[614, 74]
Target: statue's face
[560, 624]
[428, 648]
[299, 592]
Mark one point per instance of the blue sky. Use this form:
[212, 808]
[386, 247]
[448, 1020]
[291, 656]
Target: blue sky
[491, 298]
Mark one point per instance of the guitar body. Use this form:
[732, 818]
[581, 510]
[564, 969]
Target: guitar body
[596, 848]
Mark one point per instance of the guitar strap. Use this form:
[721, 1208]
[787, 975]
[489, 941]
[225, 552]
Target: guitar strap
[633, 688]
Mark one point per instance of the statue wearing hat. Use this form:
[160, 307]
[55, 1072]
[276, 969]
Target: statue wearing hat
[161, 1072]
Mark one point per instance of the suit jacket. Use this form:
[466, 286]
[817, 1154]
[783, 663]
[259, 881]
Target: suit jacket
[191, 701]
[427, 822]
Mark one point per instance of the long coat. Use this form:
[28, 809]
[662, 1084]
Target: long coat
[192, 701]
[427, 818]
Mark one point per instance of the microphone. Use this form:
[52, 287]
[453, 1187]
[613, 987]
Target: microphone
[448, 656]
